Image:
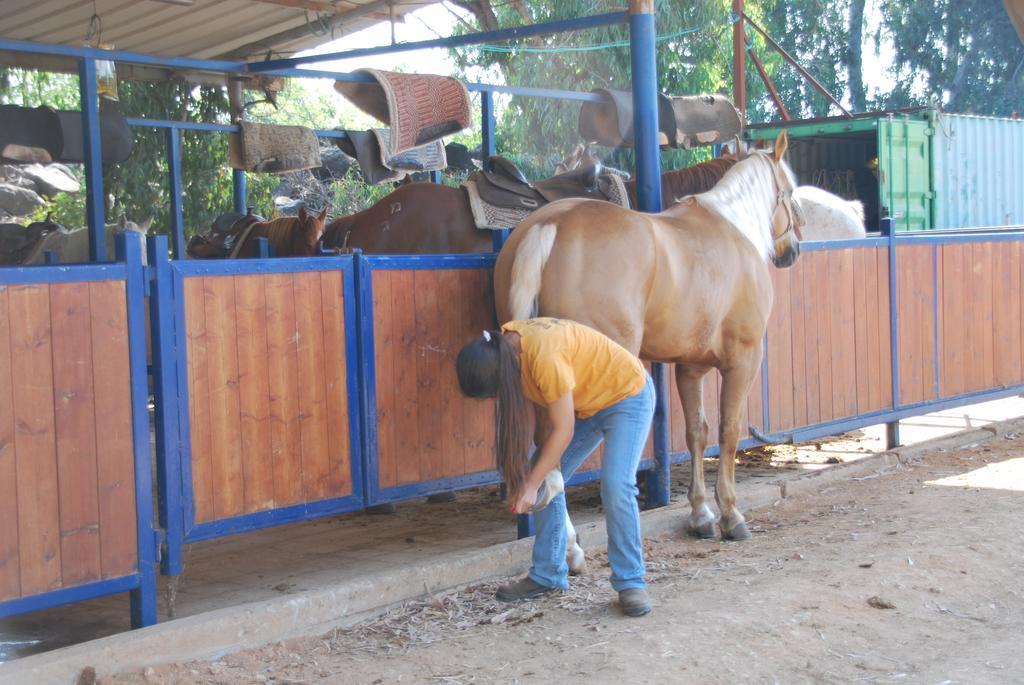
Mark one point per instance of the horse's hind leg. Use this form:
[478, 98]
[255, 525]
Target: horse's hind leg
[690, 381]
[735, 386]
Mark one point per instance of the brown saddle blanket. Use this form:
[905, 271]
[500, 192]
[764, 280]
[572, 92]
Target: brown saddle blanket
[225, 238]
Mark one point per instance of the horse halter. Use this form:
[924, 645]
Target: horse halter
[780, 199]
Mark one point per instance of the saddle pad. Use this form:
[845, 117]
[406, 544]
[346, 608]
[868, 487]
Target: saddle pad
[611, 122]
[273, 148]
[419, 108]
[705, 120]
[428, 157]
[365, 148]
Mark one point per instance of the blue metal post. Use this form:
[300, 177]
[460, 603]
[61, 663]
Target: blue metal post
[143, 599]
[238, 177]
[51, 257]
[489, 148]
[174, 177]
[168, 435]
[93, 160]
[262, 248]
[435, 176]
[892, 429]
[643, 63]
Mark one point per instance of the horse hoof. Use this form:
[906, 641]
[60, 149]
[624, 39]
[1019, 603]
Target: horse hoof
[737, 532]
[577, 561]
[704, 531]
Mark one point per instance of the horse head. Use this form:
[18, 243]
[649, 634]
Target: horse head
[787, 218]
[308, 230]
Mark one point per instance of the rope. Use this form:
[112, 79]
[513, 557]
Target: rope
[733, 18]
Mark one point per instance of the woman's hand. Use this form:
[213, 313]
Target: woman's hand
[525, 500]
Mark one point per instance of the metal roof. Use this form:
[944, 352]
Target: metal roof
[202, 29]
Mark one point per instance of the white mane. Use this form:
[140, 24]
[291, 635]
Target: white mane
[745, 197]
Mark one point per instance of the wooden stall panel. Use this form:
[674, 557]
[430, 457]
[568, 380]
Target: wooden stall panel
[10, 572]
[980, 308]
[915, 276]
[828, 338]
[426, 430]
[268, 398]
[75, 420]
[114, 443]
[67, 498]
[35, 439]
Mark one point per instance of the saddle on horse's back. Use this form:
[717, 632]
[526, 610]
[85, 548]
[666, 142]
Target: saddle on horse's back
[226, 235]
[503, 196]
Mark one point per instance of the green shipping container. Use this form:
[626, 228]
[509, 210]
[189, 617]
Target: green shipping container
[924, 168]
[883, 159]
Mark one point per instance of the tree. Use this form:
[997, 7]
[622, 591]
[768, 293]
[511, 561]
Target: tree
[967, 61]
[694, 56]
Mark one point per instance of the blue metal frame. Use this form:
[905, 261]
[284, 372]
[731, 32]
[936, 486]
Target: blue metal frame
[644, 72]
[366, 265]
[165, 400]
[93, 160]
[171, 377]
[888, 229]
[143, 599]
[450, 42]
[142, 583]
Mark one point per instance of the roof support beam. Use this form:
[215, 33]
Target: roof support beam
[452, 41]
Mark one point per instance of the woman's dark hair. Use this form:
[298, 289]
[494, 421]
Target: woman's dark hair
[488, 366]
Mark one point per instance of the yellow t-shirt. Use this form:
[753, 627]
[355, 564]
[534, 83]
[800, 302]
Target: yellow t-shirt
[561, 356]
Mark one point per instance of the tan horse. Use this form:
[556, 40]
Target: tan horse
[688, 286]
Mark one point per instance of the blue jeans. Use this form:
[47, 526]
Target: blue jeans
[624, 427]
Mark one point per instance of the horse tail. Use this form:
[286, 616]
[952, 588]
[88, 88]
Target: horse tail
[531, 256]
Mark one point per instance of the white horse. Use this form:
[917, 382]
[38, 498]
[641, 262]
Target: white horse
[72, 247]
[828, 216]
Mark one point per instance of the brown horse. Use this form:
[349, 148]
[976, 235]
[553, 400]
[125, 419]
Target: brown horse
[429, 218]
[289, 236]
[688, 286]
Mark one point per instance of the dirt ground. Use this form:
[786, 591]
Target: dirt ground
[912, 575]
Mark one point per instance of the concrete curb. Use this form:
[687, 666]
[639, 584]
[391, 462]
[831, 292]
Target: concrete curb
[210, 635]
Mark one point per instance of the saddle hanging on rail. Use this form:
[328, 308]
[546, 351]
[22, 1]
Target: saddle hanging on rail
[683, 121]
[43, 135]
[272, 148]
[704, 120]
[611, 122]
[419, 108]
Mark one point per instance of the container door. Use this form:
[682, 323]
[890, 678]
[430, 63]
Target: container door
[905, 172]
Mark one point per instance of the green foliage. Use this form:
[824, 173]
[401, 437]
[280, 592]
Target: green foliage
[694, 57]
[967, 61]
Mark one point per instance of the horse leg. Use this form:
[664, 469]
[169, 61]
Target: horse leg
[735, 386]
[574, 555]
[690, 382]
